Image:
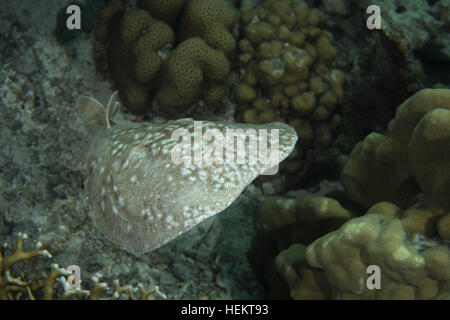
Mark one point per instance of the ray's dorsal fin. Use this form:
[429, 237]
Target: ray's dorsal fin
[112, 109]
[92, 112]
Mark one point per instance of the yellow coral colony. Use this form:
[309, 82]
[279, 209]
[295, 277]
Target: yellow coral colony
[409, 268]
[406, 238]
[416, 146]
[288, 75]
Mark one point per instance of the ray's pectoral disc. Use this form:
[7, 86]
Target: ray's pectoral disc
[142, 196]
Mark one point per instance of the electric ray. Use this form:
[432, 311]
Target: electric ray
[143, 188]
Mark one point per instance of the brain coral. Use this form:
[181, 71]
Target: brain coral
[133, 56]
[211, 20]
[164, 10]
[139, 41]
[288, 75]
[193, 68]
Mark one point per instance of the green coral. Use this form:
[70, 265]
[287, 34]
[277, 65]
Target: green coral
[211, 20]
[190, 65]
[408, 271]
[164, 10]
[403, 227]
[143, 45]
[381, 167]
[133, 58]
[287, 57]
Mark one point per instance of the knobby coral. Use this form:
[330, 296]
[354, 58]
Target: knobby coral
[287, 59]
[193, 70]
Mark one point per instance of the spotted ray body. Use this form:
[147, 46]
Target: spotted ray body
[141, 199]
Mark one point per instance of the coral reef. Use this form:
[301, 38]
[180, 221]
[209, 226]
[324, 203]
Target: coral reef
[16, 288]
[410, 159]
[287, 58]
[184, 44]
[408, 270]
[193, 70]
[400, 180]
[297, 221]
[41, 190]
[420, 30]
[175, 57]
[189, 181]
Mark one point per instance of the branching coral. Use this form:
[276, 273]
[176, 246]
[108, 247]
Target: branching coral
[15, 288]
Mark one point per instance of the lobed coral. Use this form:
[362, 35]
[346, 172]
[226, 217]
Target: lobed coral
[288, 75]
[304, 282]
[388, 238]
[167, 10]
[412, 158]
[298, 221]
[400, 180]
[139, 45]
